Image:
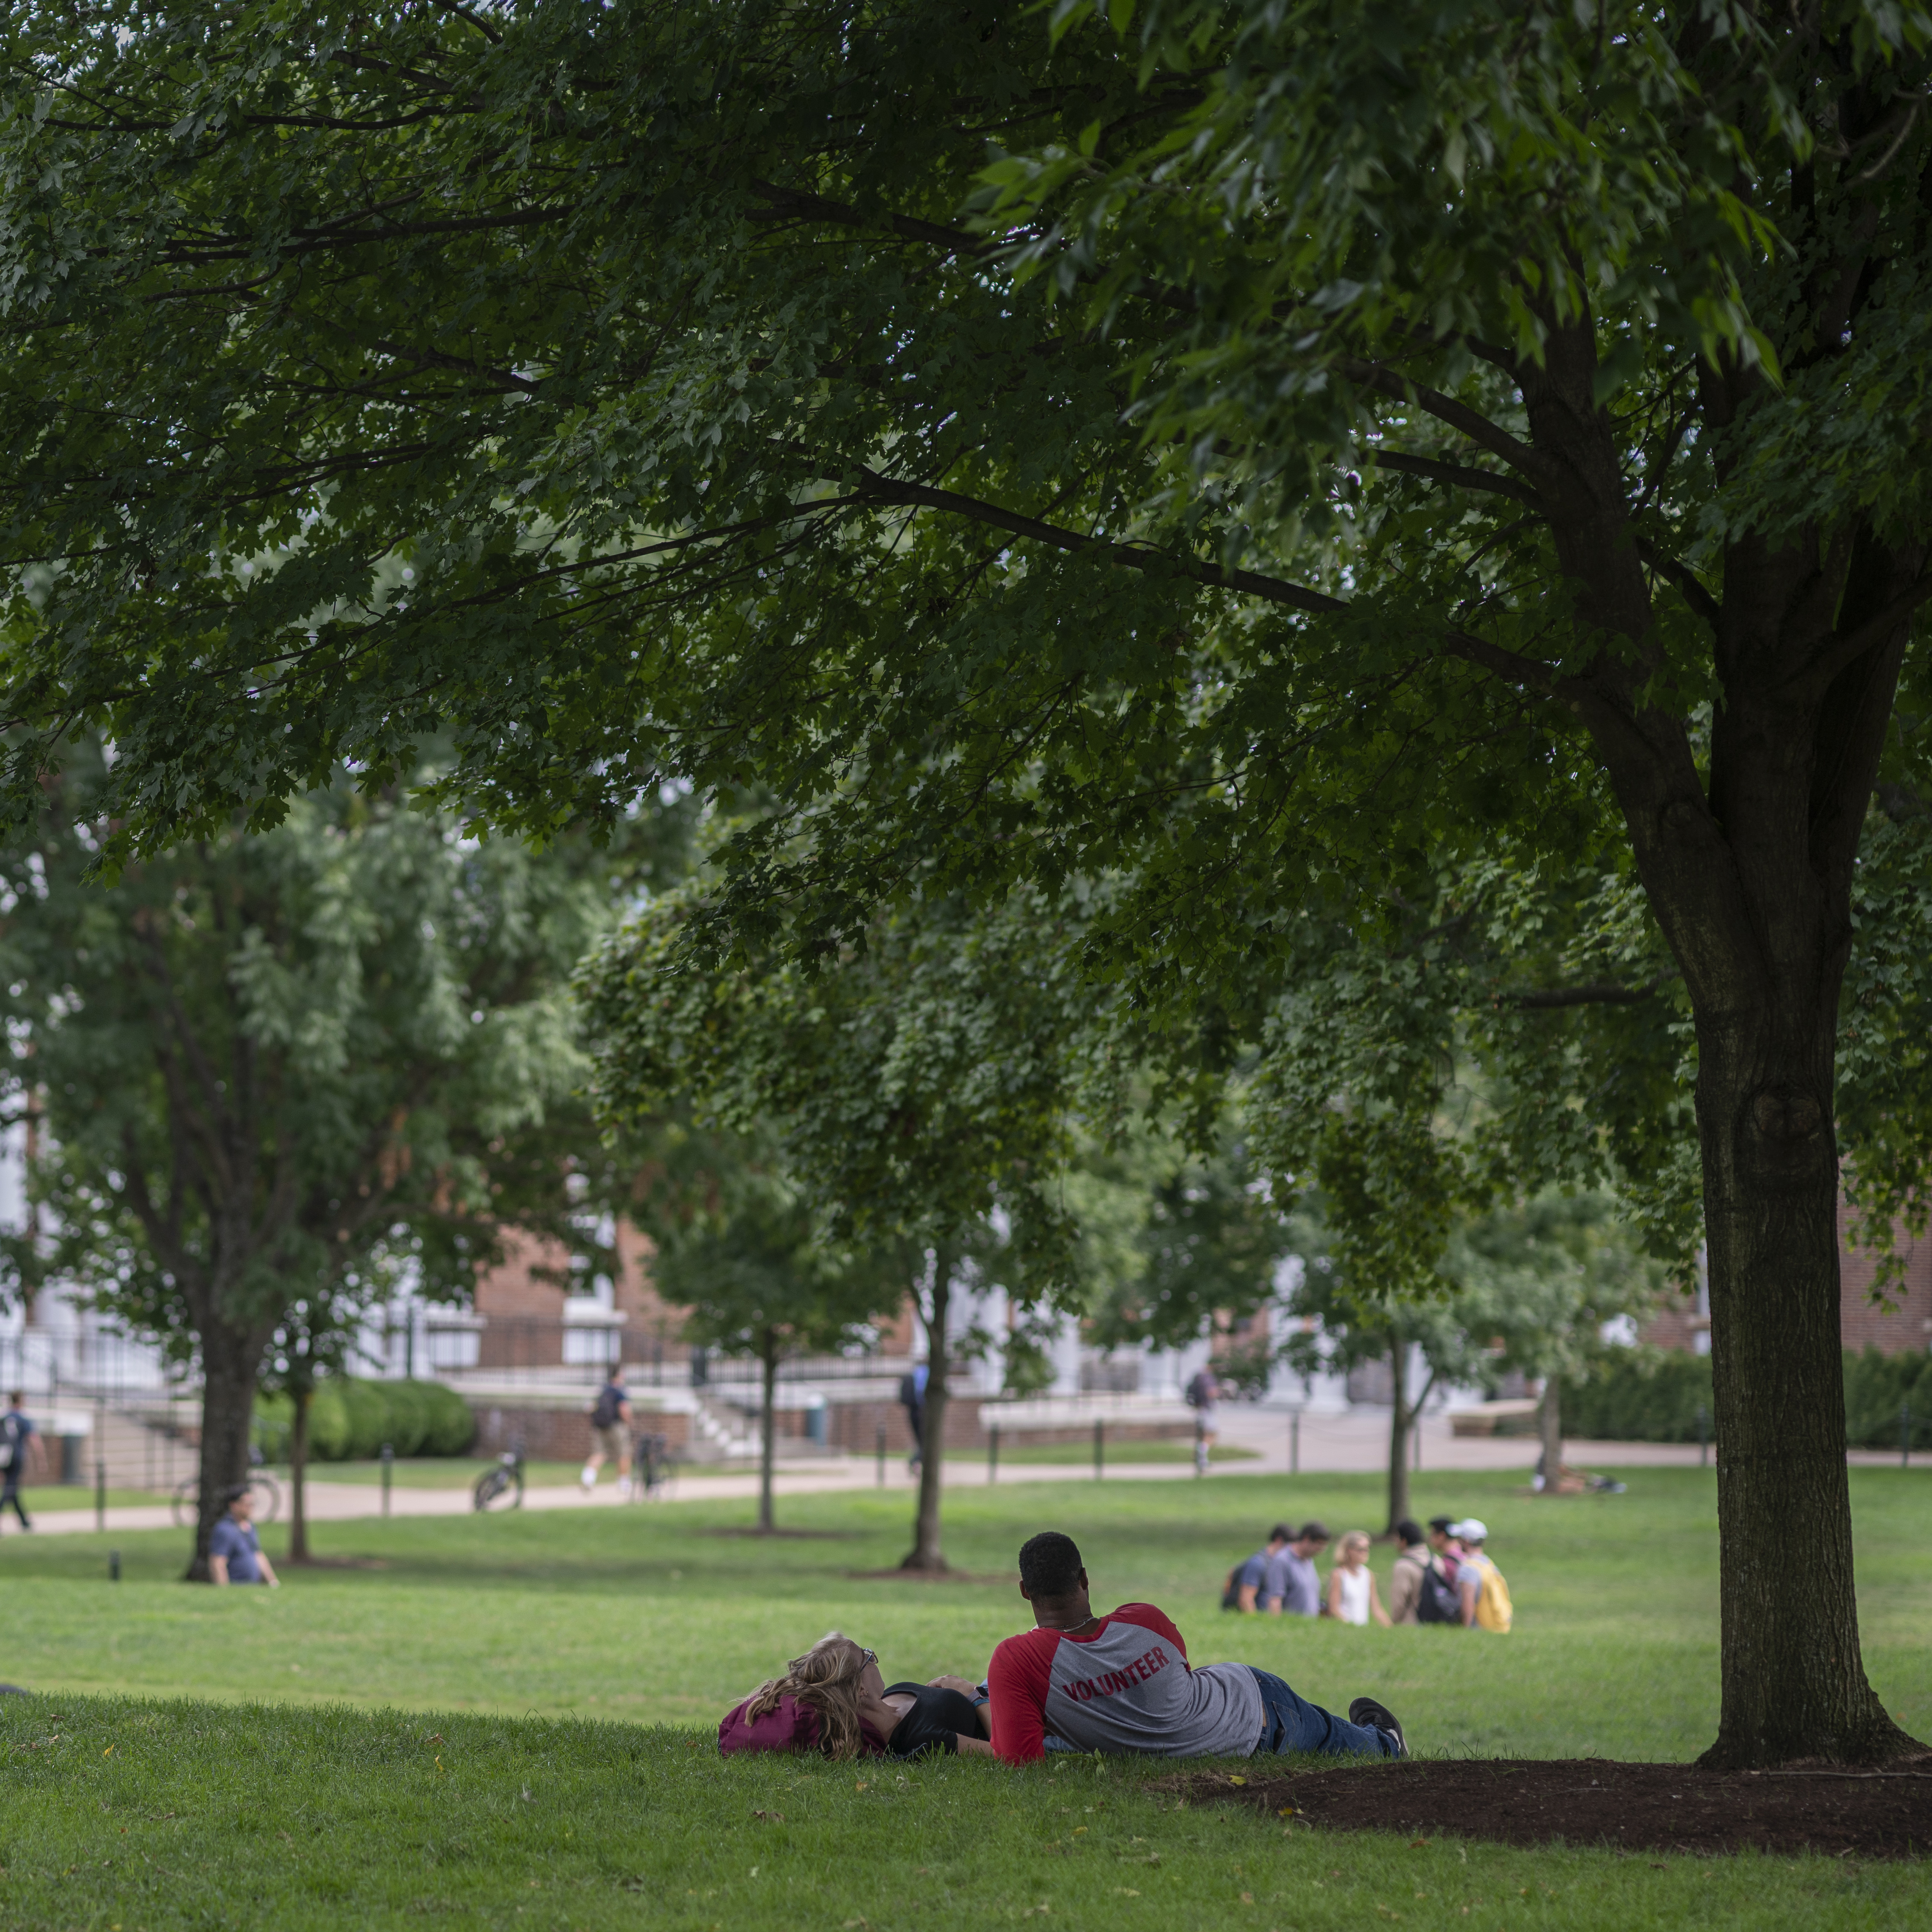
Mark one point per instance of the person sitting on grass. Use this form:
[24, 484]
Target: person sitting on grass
[1295, 1583]
[835, 1700]
[235, 1554]
[1353, 1598]
[1080, 1680]
[1255, 1584]
[1485, 1597]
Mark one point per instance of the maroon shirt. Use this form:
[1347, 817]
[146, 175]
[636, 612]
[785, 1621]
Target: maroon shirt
[790, 1725]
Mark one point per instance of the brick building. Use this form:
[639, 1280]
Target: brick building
[1901, 1325]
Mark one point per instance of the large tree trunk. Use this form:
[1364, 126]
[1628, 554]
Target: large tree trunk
[768, 1354]
[230, 1360]
[1793, 1679]
[1746, 845]
[297, 1476]
[1400, 1418]
[926, 1553]
[1549, 1426]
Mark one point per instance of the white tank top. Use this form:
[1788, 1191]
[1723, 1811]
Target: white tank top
[1355, 1609]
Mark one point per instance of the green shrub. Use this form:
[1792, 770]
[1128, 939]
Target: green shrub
[1641, 1395]
[350, 1420]
[1877, 1388]
[1653, 1395]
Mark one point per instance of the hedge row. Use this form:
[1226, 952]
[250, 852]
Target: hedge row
[1654, 1395]
[348, 1420]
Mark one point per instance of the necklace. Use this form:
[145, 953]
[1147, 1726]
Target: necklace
[1068, 1629]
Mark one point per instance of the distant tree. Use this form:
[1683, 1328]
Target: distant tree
[918, 1088]
[1172, 1241]
[278, 1069]
[1526, 1286]
[743, 1247]
[1535, 1286]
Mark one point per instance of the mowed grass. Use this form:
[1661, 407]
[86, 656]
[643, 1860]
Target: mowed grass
[486, 1657]
[148, 1817]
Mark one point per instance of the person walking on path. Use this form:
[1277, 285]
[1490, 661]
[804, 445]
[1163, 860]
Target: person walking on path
[19, 1440]
[235, 1553]
[912, 1397]
[1353, 1598]
[1081, 1681]
[611, 1425]
[1203, 1392]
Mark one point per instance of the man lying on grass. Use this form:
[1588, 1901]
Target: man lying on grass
[1122, 1682]
[835, 1700]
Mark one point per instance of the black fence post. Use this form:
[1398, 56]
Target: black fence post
[388, 1470]
[1099, 1448]
[1905, 1435]
[114, 1566]
[992, 1453]
[1200, 1447]
[1703, 1437]
[879, 1444]
[1294, 1444]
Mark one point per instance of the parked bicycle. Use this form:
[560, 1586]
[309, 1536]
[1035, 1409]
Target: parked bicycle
[656, 1464]
[505, 1481]
[186, 1500]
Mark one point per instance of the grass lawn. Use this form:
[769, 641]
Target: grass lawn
[541, 1640]
[65, 1496]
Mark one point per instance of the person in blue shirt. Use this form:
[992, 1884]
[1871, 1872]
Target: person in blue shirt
[18, 1438]
[912, 1397]
[235, 1554]
[1250, 1586]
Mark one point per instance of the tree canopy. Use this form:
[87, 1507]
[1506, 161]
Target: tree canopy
[1233, 447]
[282, 1076]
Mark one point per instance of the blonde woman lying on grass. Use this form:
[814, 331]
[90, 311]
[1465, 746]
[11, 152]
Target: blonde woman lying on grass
[835, 1700]
[1352, 1595]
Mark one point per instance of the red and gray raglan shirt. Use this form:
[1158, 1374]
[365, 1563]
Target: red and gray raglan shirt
[1123, 1685]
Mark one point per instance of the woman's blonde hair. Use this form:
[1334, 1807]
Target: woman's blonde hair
[1357, 1539]
[826, 1678]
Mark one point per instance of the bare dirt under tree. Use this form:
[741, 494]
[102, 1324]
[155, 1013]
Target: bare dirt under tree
[1834, 1810]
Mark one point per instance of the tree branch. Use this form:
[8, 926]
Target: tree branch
[1460, 475]
[1471, 423]
[1686, 579]
[1847, 648]
[1273, 590]
[1602, 995]
[786, 201]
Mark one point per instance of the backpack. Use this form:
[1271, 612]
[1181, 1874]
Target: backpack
[604, 1415]
[1438, 1601]
[1494, 1611]
[1198, 1390]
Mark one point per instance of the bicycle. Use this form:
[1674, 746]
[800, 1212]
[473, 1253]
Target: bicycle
[656, 1464]
[185, 1503]
[494, 1484]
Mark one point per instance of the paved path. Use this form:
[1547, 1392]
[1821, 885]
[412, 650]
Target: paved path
[1356, 1442]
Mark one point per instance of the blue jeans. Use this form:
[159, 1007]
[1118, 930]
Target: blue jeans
[1291, 1724]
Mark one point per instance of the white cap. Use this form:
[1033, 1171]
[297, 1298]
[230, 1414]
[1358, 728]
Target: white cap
[1470, 1529]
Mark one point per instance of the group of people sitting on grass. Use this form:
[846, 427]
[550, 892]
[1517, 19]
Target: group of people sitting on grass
[1080, 1680]
[1443, 1575]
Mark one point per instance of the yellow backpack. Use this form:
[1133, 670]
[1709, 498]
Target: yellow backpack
[1494, 1611]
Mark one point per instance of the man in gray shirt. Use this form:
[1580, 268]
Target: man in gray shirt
[1292, 1585]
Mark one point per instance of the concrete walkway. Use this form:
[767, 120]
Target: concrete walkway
[1354, 1443]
